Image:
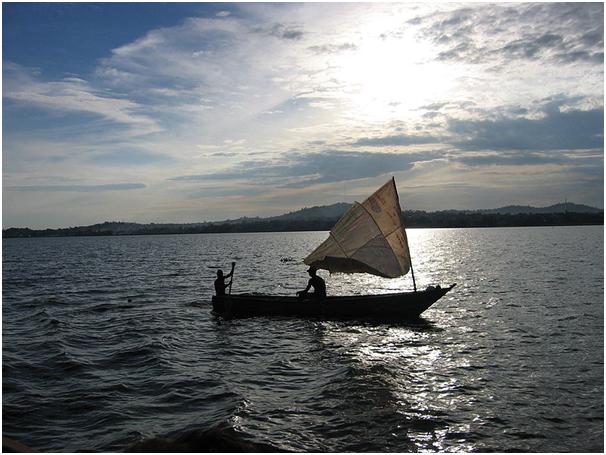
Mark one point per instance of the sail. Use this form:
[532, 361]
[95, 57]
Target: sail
[368, 238]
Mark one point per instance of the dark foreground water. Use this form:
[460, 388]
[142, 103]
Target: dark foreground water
[108, 342]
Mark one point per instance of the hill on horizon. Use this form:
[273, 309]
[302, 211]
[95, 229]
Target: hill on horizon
[562, 207]
[315, 212]
[338, 209]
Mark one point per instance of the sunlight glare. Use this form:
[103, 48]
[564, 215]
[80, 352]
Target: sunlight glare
[387, 78]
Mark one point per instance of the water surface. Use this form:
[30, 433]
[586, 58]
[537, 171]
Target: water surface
[109, 341]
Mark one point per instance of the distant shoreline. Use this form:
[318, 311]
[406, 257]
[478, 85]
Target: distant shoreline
[413, 219]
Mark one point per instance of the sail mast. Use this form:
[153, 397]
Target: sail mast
[412, 270]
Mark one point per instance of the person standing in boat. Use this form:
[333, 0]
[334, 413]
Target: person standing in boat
[220, 283]
[314, 282]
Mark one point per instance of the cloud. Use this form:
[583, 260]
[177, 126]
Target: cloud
[287, 32]
[290, 105]
[529, 158]
[395, 140]
[199, 57]
[131, 157]
[531, 47]
[74, 95]
[333, 48]
[559, 32]
[299, 170]
[226, 154]
[78, 188]
[217, 73]
[556, 130]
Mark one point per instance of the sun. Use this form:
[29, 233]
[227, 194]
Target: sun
[387, 78]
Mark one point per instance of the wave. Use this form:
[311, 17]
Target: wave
[104, 307]
[139, 354]
[66, 363]
[223, 437]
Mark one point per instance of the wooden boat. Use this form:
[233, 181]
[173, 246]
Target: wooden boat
[390, 307]
[369, 238]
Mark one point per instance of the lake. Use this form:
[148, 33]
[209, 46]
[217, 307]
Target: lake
[110, 342]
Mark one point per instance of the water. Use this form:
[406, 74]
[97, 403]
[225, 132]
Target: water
[109, 341]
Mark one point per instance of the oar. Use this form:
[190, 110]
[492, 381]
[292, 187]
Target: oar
[233, 267]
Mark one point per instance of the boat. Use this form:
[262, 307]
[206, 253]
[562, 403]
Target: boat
[390, 307]
[369, 238]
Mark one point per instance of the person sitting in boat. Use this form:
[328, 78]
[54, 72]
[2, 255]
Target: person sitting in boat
[314, 282]
[220, 283]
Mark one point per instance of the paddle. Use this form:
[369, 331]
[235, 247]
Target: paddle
[233, 266]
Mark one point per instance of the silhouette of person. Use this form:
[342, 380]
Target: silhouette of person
[314, 282]
[220, 283]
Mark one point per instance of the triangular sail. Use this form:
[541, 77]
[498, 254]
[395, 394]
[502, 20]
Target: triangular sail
[368, 238]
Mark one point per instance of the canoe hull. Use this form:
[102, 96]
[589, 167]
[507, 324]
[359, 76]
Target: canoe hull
[399, 306]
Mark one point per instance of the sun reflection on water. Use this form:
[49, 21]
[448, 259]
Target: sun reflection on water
[417, 375]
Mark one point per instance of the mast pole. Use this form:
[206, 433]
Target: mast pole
[412, 271]
[414, 283]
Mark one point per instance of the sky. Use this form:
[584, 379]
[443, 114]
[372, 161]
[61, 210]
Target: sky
[168, 112]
